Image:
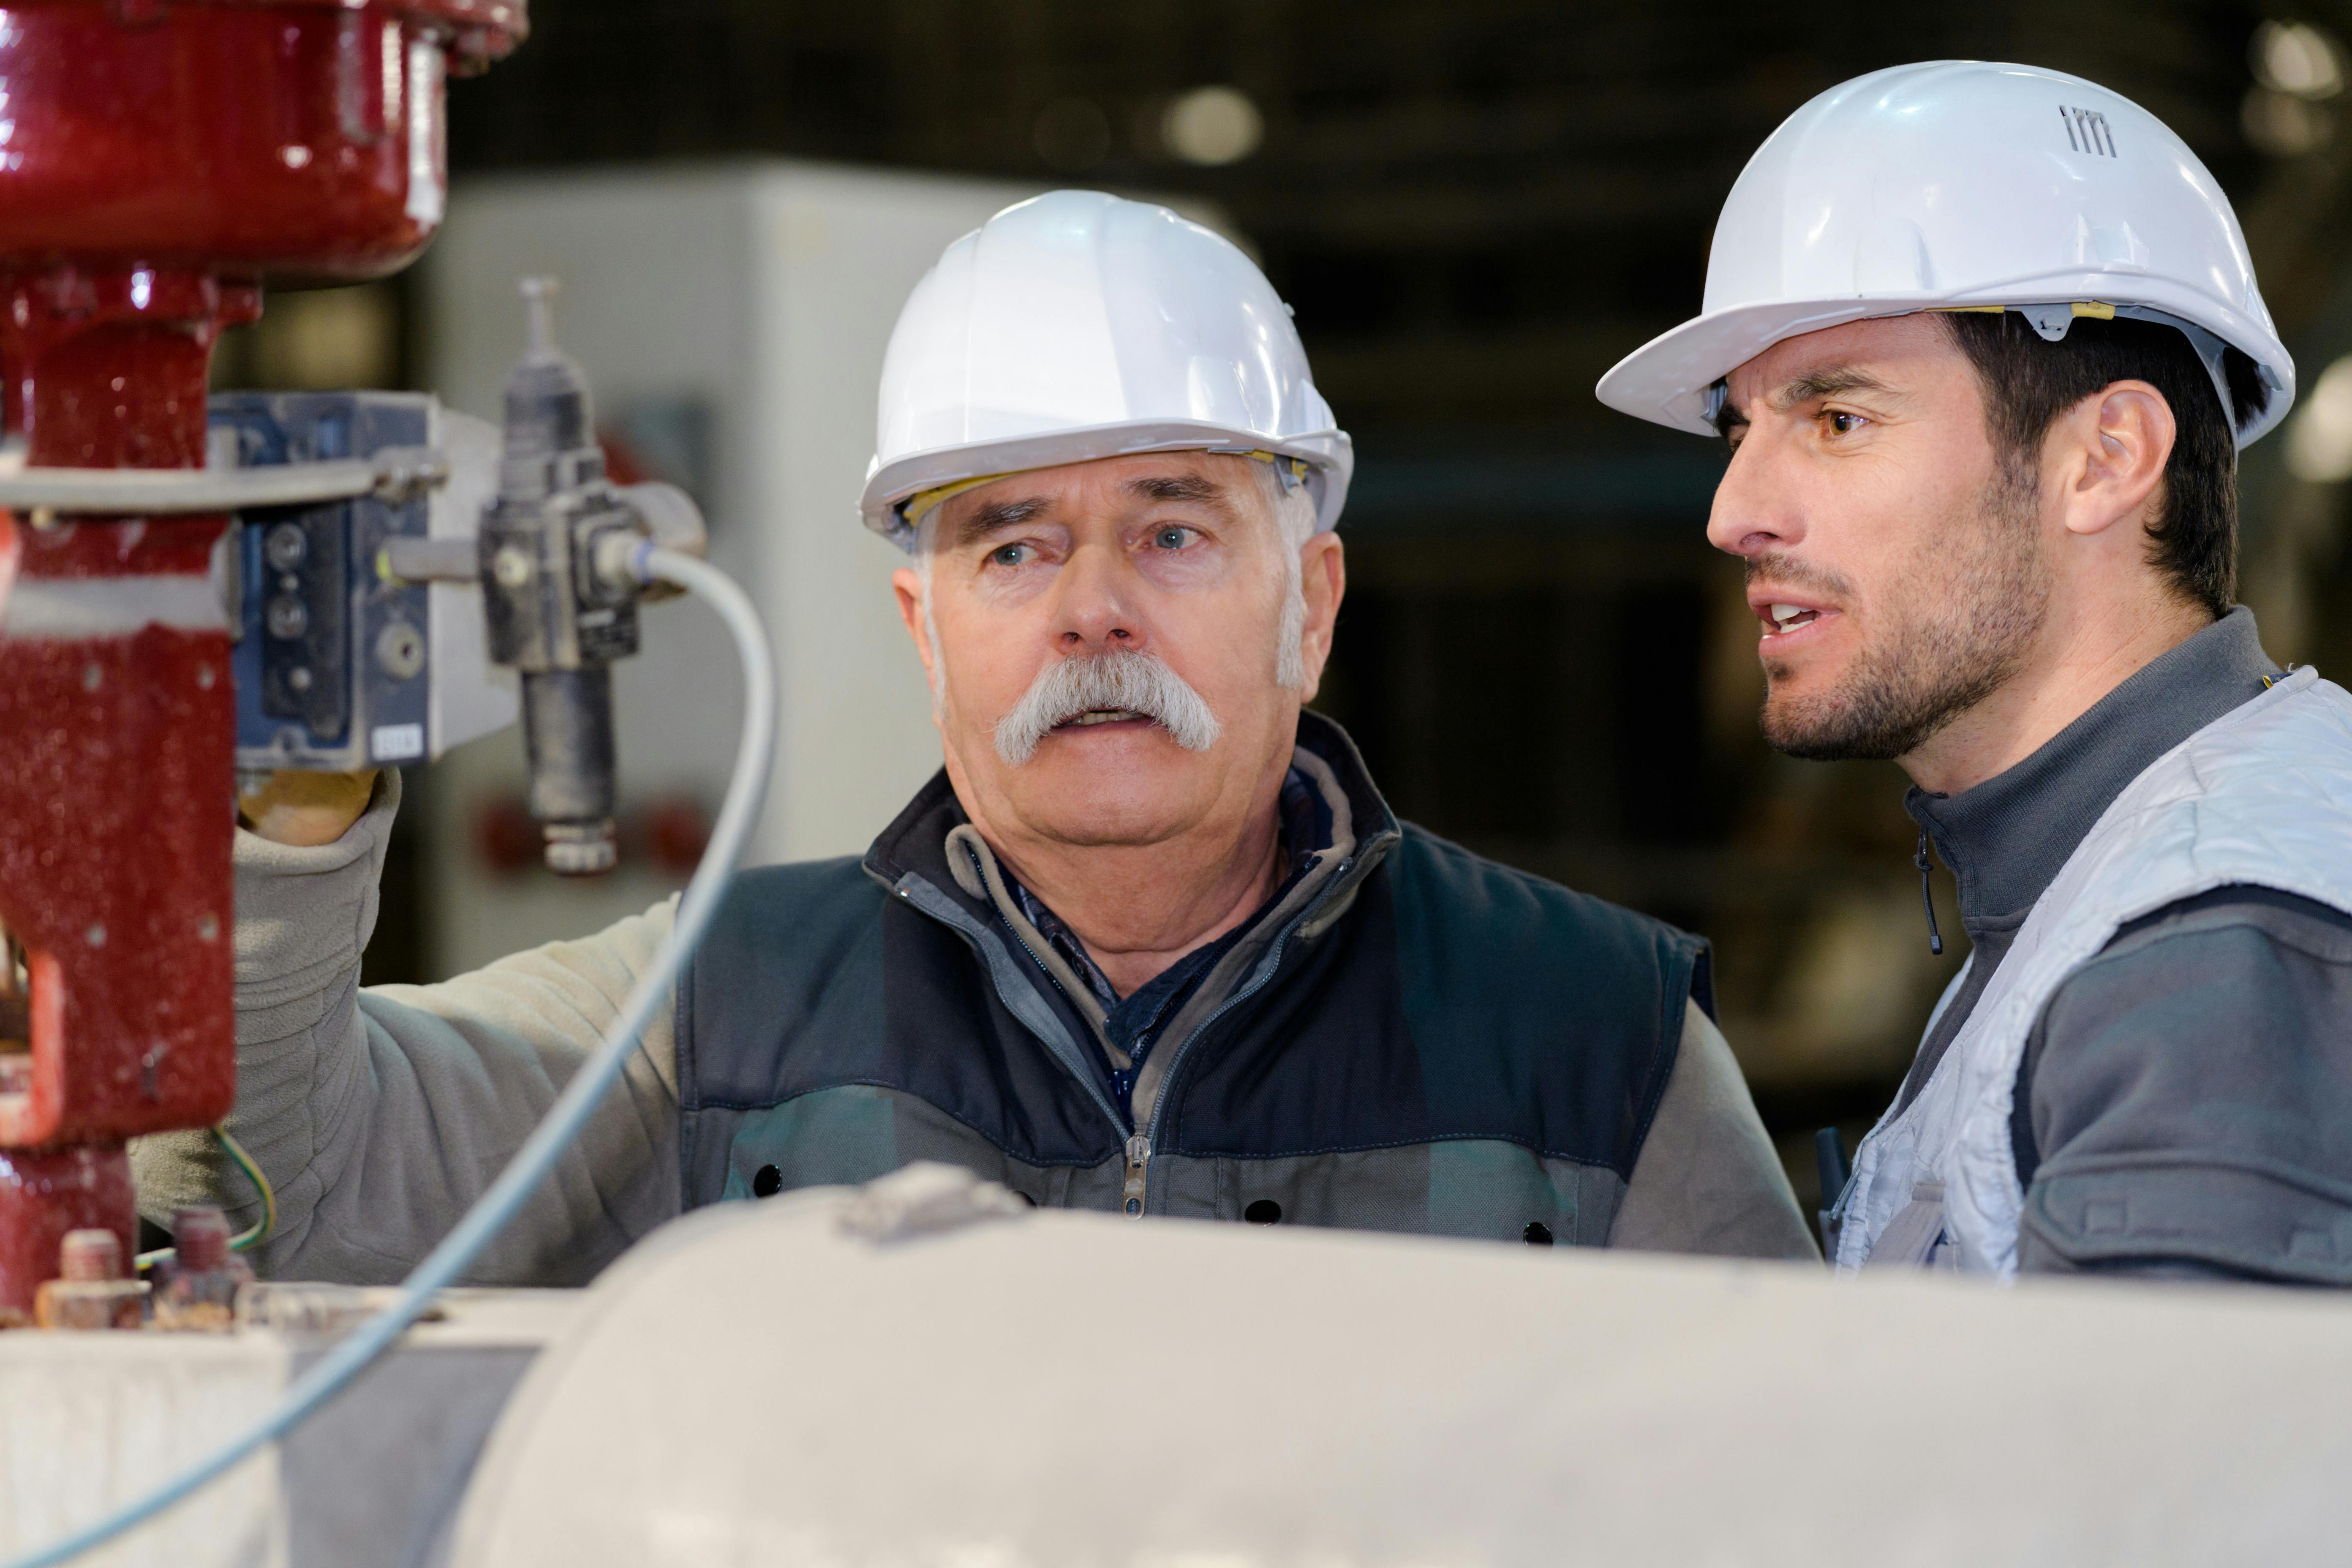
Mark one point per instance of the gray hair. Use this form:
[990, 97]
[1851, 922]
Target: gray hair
[1292, 507]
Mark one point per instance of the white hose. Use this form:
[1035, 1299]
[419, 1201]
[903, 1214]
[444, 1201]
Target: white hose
[564, 1119]
[148, 491]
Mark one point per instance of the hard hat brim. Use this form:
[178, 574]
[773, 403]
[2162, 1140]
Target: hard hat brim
[1666, 381]
[1328, 454]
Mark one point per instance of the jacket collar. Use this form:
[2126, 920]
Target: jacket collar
[2006, 838]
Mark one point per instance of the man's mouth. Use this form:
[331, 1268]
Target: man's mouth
[1786, 618]
[1092, 716]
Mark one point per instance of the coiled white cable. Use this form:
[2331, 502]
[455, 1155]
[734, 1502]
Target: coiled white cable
[564, 1119]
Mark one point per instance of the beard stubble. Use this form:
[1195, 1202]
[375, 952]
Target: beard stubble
[1955, 627]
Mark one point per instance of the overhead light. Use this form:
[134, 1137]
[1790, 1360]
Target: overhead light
[2283, 125]
[2319, 438]
[2296, 58]
[1212, 125]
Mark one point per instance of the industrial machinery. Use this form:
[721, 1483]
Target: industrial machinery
[387, 628]
[191, 590]
[139, 216]
[359, 642]
[274, 581]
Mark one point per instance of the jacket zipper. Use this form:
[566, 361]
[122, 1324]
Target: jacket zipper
[1138, 1148]
[1135, 1194]
[1139, 1164]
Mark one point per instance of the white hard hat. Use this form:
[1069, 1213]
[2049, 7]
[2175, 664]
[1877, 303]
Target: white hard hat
[1076, 326]
[1957, 184]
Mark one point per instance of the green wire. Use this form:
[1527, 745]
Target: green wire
[267, 1224]
[251, 1238]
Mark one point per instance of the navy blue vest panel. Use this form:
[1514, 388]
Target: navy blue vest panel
[1539, 1014]
[1456, 1000]
[813, 977]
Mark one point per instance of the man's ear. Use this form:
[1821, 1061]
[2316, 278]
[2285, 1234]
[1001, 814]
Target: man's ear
[1323, 578]
[2112, 447]
[908, 585]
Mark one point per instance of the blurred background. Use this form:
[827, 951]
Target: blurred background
[1475, 207]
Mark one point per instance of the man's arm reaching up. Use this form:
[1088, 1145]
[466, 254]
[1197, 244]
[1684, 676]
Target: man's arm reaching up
[380, 1116]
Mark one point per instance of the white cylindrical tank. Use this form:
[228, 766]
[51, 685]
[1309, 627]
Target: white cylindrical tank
[765, 1385]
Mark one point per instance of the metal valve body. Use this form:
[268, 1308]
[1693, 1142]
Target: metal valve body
[557, 612]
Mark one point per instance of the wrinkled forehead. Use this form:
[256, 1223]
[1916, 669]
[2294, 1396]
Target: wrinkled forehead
[1104, 487]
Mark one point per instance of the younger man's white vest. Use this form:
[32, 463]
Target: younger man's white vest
[2263, 795]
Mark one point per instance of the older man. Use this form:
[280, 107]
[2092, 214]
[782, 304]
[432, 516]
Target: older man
[1984, 340]
[1150, 942]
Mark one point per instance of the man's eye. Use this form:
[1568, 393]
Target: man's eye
[1009, 555]
[1842, 422]
[1172, 537]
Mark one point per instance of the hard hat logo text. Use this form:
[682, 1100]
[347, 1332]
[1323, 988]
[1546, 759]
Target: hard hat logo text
[2087, 132]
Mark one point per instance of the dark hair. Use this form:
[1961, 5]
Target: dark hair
[2027, 383]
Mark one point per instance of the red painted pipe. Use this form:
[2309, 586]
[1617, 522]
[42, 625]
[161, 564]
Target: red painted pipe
[159, 162]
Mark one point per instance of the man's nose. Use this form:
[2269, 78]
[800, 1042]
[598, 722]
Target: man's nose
[1095, 608]
[1754, 508]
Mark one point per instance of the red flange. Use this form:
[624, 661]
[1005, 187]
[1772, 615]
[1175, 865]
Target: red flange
[244, 140]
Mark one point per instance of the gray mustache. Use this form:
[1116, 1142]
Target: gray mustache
[1114, 679]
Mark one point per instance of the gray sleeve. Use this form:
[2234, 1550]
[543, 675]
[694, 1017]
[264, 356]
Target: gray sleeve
[2187, 1100]
[1708, 1179]
[380, 1115]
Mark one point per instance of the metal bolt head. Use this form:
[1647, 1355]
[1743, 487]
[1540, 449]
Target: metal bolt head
[298, 677]
[400, 650]
[94, 935]
[285, 546]
[512, 567]
[288, 617]
[89, 1255]
[580, 848]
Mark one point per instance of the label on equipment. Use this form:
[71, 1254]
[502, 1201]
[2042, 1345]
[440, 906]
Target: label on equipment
[398, 742]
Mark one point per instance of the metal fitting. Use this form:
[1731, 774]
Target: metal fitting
[580, 848]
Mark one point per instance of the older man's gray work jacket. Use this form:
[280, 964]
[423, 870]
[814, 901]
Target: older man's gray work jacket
[1409, 1038]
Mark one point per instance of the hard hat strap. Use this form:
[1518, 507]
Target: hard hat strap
[912, 509]
[2052, 321]
[1292, 471]
[2209, 353]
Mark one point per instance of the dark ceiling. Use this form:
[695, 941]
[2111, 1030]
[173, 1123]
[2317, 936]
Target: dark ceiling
[1475, 205]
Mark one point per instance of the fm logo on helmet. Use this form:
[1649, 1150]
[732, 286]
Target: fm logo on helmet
[2087, 132]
